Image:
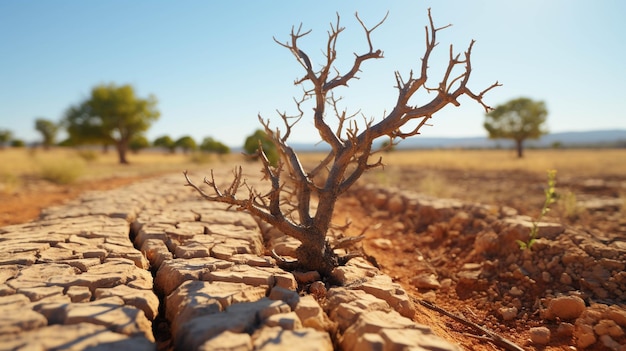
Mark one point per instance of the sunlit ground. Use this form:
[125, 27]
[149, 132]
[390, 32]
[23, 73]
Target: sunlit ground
[20, 163]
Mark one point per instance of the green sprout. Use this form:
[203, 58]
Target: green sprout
[550, 199]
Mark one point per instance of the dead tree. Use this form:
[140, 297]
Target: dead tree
[289, 206]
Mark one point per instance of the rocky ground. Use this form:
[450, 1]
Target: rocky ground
[567, 292]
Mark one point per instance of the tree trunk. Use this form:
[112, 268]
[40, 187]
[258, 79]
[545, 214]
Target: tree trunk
[121, 152]
[519, 145]
[316, 255]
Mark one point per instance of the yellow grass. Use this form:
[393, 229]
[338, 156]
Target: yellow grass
[572, 162]
[578, 162]
[20, 163]
[17, 163]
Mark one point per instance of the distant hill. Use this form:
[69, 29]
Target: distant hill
[596, 138]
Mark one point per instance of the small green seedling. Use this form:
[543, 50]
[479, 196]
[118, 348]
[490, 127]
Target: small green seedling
[550, 199]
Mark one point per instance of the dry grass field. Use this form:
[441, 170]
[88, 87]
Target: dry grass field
[89, 165]
[568, 162]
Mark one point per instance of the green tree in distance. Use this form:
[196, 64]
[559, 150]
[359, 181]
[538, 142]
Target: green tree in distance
[112, 115]
[519, 119]
[211, 145]
[260, 137]
[48, 130]
[83, 128]
[138, 142]
[18, 143]
[5, 137]
[165, 142]
[186, 143]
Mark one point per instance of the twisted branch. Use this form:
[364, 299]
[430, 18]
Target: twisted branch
[350, 142]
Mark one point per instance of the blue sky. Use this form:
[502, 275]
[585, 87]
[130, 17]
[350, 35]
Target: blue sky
[214, 66]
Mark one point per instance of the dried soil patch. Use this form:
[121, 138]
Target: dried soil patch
[500, 287]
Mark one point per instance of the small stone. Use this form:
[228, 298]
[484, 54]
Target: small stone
[383, 244]
[425, 281]
[608, 327]
[429, 296]
[565, 279]
[515, 291]
[446, 283]
[565, 329]
[584, 336]
[486, 242]
[508, 313]
[540, 335]
[395, 204]
[565, 307]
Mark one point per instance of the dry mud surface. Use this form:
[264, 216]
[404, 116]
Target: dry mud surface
[566, 293]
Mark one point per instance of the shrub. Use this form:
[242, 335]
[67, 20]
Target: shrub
[87, 155]
[62, 172]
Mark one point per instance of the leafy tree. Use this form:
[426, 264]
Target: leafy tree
[84, 128]
[186, 143]
[48, 130]
[519, 119]
[111, 115]
[18, 143]
[5, 137]
[138, 142]
[211, 145]
[260, 137]
[301, 198]
[165, 142]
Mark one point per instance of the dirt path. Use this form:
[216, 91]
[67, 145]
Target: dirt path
[35, 195]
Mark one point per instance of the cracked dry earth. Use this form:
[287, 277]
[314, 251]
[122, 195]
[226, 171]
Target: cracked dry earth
[568, 293]
[152, 266]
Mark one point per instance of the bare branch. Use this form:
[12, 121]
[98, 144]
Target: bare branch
[368, 32]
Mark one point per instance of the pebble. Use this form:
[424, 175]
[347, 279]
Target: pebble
[565, 307]
[508, 313]
[540, 335]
